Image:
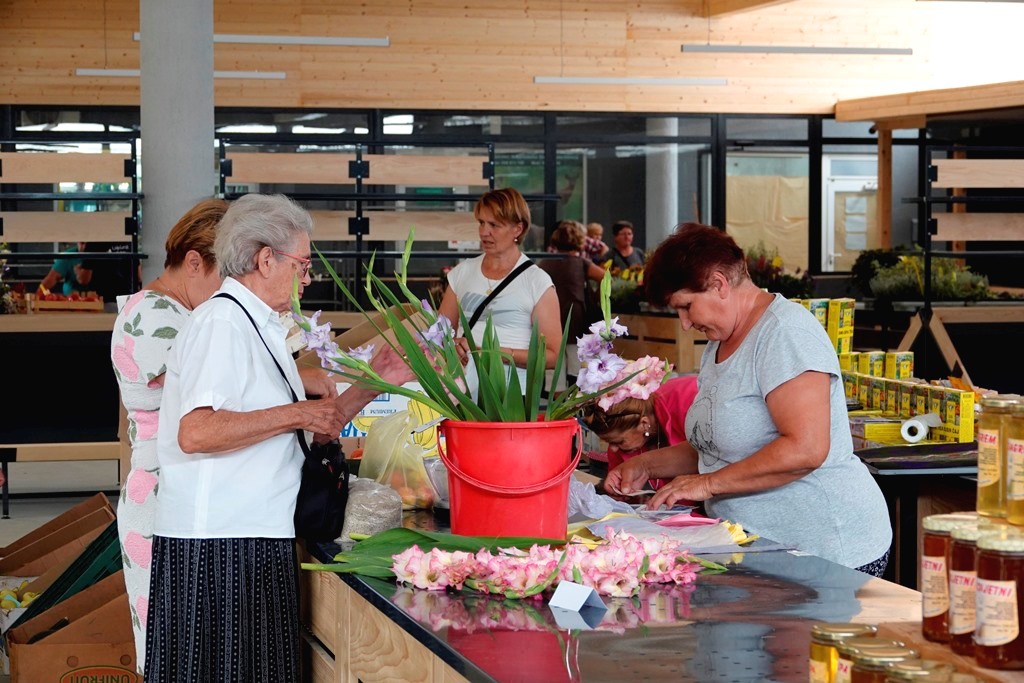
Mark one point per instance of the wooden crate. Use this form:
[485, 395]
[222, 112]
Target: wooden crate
[36, 305]
[662, 336]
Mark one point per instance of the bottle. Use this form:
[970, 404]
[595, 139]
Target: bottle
[1015, 465]
[846, 647]
[963, 572]
[870, 666]
[822, 663]
[991, 435]
[935, 572]
[998, 642]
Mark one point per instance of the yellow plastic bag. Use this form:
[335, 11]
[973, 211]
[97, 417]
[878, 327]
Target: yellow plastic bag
[393, 458]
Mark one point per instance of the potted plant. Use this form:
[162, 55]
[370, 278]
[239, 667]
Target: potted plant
[506, 451]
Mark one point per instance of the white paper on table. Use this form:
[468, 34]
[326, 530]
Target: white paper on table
[575, 606]
[694, 538]
[571, 620]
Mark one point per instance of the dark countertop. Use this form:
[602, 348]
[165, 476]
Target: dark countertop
[751, 623]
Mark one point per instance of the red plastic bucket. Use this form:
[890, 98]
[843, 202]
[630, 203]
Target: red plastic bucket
[509, 478]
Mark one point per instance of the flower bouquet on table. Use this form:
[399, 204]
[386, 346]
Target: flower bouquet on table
[508, 453]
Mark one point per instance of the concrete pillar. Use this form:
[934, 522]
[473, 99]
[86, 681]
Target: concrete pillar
[662, 182]
[176, 53]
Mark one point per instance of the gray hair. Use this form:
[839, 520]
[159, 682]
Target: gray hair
[255, 221]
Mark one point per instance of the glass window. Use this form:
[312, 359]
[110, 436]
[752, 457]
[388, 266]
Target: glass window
[625, 125]
[830, 128]
[766, 129]
[464, 125]
[767, 202]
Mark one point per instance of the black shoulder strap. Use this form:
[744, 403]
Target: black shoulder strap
[295, 399]
[497, 290]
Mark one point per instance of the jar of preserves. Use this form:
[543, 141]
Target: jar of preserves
[998, 643]
[935, 572]
[962, 574]
[924, 670]
[847, 646]
[871, 665]
[824, 656]
[991, 435]
[1015, 465]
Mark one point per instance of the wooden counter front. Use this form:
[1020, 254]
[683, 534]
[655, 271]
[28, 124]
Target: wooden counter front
[57, 322]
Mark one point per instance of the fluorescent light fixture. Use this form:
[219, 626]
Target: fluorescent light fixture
[345, 41]
[798, 49]
[601, 80]
[134, 73]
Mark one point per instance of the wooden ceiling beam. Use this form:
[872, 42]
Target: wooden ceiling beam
[975, 98]
[902, 123]
[718, 8]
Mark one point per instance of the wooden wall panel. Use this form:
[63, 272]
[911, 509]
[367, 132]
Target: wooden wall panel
[44, 167]
[485, 54]
[64, 226]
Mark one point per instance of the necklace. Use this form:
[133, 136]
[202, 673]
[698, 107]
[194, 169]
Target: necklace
[490, 284]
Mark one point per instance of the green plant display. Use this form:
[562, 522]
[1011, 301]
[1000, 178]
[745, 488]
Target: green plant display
[767, 271]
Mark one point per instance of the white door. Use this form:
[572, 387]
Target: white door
[850, 220]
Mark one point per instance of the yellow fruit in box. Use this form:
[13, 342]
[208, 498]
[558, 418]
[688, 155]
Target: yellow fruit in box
[28, 597]
[9, 603]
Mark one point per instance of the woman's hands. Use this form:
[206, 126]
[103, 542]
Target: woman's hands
[391, 367]
[318, 382]
[687, 487]
[628, 477]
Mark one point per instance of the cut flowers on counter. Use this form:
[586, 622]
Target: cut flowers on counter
[425, 340]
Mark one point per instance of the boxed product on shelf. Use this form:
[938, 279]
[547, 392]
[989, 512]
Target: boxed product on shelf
[839, 323]
[899, 364]
[847, 362]
[957, 416]
[820, 309]
[879, 429]
[871, 363]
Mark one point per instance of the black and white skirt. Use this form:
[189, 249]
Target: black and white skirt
[223, 609]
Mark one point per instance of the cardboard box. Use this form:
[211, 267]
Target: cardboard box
[67, 542]
[899, 364]
[957, 416]
[820, 309]
[87, 637]
[839, 323]
[97, 502]
[880, 429]
[871, 363]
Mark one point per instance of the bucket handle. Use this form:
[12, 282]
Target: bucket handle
[532, 488]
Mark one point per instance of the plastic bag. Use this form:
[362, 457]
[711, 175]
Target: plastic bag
[585, 501]
[391, 457]
[372, 508]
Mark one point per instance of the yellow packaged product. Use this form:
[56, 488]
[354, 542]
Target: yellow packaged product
[899, 364]
[872, 363]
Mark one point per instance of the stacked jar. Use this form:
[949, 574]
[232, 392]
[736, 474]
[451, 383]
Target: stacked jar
[871, 665]
[963, 573]
[935, 560]
[824, 656]
[922, 670]
[998, 642]
[1015, 465]
[992, 462]
[847, 647]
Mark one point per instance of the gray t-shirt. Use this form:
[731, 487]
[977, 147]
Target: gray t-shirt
[837, 511]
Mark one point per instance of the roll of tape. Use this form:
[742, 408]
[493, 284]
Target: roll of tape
[913, 430]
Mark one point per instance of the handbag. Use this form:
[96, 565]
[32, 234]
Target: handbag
[323, 491]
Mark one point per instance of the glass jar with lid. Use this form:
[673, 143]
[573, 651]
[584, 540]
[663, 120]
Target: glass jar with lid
[847, 646]
[822, 663]
[871, 665]
[962, 574]
[1015, 465]
[998, 642]
[923, 670]
[935, 572]
[992, 466]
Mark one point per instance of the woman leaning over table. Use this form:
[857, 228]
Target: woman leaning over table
[768, 442]
[504, 219]
[144, 331]
[224, 580]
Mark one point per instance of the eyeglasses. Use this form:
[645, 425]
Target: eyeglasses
[306, 262]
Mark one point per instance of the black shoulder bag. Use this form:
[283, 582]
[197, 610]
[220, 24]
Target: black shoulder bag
[497, 290]
[323, 493]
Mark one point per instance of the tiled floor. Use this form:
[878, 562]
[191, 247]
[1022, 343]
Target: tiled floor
[73, 481]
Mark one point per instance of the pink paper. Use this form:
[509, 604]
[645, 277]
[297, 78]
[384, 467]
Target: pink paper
[687, 519]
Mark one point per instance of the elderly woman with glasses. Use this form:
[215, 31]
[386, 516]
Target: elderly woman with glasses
[224, 578]
[768, 441]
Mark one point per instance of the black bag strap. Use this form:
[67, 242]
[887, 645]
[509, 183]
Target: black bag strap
[295, 399]
[496, 291]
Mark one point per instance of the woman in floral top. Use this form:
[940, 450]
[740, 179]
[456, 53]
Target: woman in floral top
[143, 334]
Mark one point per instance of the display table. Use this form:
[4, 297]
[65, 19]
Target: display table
[751, 623]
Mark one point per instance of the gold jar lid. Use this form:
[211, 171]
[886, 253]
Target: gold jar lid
[847, 646]
[948, 521]
[881, 657]
[834, 632]
[998, 401]
[1009, 541]
[920, 670]
[972, 532]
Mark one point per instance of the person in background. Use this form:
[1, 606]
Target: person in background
[504, 219]
[224, 600]
[624, 254]
[570, 275]
[108, 277]
[768, 442]
[63, 272]
[634, 419]
[594, 247]
[144, 332]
